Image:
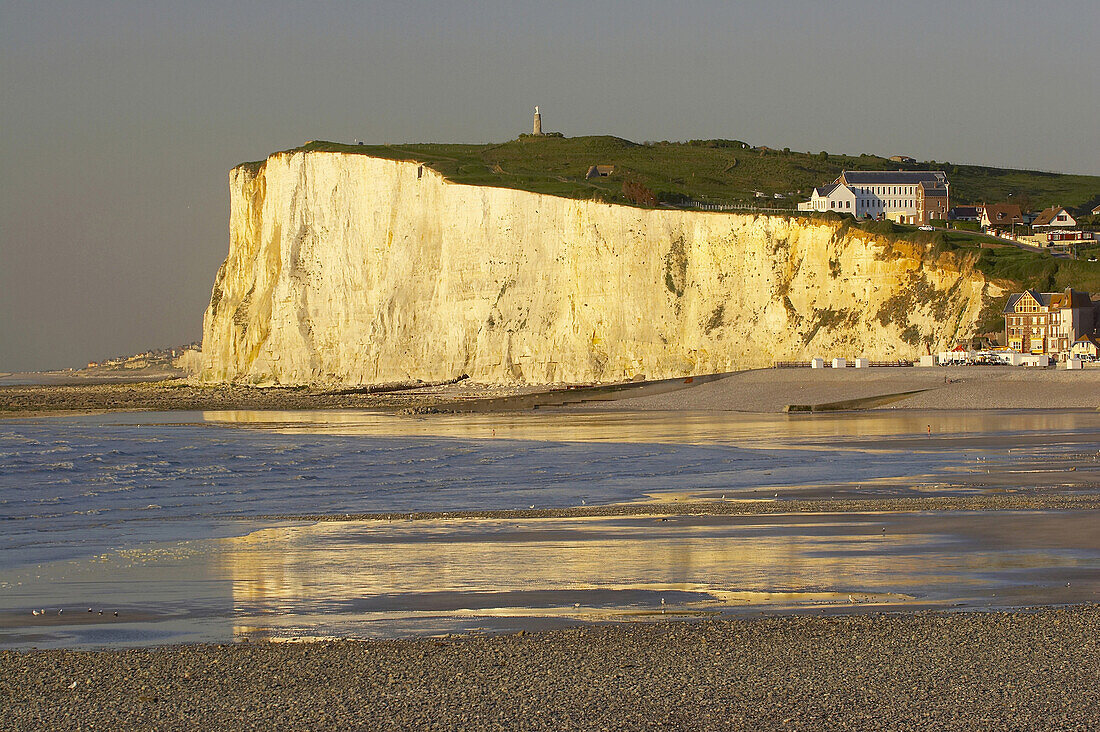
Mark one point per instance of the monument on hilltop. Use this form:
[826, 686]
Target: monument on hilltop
[536, 129]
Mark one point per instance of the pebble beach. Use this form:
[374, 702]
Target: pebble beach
[1034, 670]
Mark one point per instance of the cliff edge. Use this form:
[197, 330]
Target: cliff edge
[352, 269]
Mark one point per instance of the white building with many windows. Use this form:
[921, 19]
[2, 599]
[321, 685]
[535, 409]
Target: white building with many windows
[908, 197]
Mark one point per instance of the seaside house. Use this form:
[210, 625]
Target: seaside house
[907, 197]
[1002, 217]
[1087, 347]
[833, 197]
[1055, 217]
[1047, 322]
[964, 213]
[1096, 211]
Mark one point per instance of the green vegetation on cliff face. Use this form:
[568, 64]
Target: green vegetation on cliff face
[1016, 269]
[715, 171]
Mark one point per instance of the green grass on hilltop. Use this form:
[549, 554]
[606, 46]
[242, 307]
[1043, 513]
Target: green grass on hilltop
[713, 171]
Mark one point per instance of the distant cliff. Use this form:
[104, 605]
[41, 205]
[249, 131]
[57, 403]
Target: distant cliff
[352, 269]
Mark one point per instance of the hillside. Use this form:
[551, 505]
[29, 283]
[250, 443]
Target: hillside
[712, 171]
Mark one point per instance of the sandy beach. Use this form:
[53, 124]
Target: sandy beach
[1003, 670]
[948, 388]
[762, 391]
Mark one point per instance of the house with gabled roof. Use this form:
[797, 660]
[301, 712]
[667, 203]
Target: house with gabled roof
[964, 213]
[1055, 217]
[1047, 322]
[1096, 211]
[832, 197]
[1002, 217]
[1086, 347]
[905, 196]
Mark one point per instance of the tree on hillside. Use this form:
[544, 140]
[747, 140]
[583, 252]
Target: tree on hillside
[636, 192]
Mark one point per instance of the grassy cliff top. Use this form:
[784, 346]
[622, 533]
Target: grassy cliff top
[713, 171]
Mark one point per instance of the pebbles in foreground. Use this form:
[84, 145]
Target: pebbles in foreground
[1005, 670]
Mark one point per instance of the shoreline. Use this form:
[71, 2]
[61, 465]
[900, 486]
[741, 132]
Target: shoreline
[746, 507]
[1031, 668]
[757, 391]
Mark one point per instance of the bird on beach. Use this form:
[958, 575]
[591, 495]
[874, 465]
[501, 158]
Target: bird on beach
[35, 612]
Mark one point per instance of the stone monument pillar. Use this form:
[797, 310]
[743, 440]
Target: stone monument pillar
[538, 122]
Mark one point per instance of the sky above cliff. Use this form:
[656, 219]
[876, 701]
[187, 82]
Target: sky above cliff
[120, 120]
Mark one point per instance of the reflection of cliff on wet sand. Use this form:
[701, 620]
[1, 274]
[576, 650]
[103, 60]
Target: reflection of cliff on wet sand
[370, 578]
[759, 430]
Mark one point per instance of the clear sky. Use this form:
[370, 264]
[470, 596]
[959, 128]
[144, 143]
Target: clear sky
[120, 120]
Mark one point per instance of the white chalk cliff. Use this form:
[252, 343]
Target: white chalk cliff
[350, 269]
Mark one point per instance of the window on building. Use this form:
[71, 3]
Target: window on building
[847, 204]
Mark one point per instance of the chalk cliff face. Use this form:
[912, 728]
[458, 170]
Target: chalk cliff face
[351, 269]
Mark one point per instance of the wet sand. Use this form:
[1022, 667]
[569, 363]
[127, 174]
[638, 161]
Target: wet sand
[430, 574]
[1042, 501]
[940, 388]
[1019, 670]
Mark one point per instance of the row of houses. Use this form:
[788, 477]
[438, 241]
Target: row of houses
[921, 197]
[904, 196]
[1053, 225]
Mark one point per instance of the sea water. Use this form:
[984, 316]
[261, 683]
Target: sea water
[191, 508]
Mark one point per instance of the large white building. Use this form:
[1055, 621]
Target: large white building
[908, 197]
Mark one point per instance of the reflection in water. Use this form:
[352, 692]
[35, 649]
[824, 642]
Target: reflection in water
[385, 579]
[759, 430]
[374, 578]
